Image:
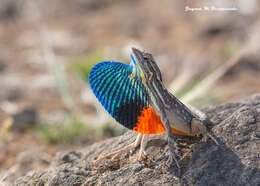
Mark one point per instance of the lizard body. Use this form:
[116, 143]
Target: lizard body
[136, 97]
[166, 105]
[173, 113]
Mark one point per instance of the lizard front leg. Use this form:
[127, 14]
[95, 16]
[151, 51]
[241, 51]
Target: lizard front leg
[173, 146]
[143, 144]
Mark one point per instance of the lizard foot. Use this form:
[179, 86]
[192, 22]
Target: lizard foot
[172, 158]
[144, 158]
[174, 153]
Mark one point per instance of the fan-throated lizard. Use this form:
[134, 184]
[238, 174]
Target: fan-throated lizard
[135, 96]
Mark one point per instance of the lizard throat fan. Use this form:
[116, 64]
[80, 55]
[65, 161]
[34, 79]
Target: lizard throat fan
[121, 93]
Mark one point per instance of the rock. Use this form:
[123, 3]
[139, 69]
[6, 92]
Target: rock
[8, 10]
[2, 66]
[24, 162]
[236, 161]
[24, 119]
[14, 94]
[91, 4]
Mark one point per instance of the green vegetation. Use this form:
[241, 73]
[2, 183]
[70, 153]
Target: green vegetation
[207, 99]
[71, 130]
[187, 88]
[83, 65]
[58, 71]
[74, 129]
[112, 130]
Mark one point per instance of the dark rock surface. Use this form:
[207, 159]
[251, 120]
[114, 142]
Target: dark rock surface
[235, 162]
[25, 119]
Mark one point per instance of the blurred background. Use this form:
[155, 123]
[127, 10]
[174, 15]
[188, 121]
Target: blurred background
[47, 49]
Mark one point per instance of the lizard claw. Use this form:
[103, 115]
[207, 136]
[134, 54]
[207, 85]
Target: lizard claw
[142, 155]
[144, 158]
[172, 157]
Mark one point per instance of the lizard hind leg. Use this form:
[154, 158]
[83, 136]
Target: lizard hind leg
[199, 126]
[129, 148]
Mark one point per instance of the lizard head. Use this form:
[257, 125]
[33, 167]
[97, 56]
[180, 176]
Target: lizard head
[145, 66]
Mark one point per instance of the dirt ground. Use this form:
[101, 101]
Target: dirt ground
[32, 33]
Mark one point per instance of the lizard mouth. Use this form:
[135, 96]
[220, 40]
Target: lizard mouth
[139, 59]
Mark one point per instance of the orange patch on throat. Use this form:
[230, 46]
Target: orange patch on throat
[150, 123]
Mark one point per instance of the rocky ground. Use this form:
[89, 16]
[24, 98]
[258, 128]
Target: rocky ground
[235, 161]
